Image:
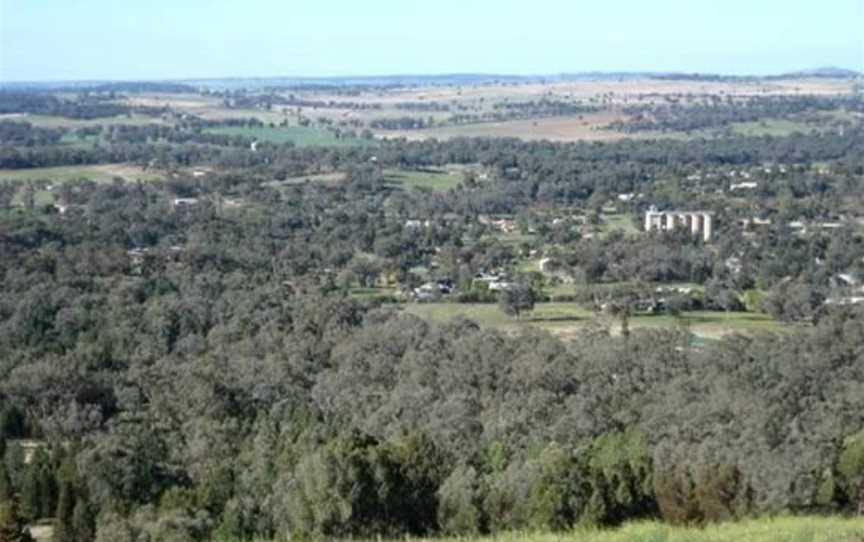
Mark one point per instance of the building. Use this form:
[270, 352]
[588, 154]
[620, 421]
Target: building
[698, 222]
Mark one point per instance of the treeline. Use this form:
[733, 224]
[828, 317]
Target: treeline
[83, 107]
[545, 107]
[716, 112]
[25, 134]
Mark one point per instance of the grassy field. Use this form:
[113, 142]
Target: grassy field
[432, 179]
[779, 529]
[610, 222]
[102, 173]
[299, 135]
[586, 127]
[97, 173]
[565, 319]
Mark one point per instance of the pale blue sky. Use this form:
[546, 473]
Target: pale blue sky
[162, 39]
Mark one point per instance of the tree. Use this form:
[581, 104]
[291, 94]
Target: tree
[12, 525]
[460, 504]
[516, 299]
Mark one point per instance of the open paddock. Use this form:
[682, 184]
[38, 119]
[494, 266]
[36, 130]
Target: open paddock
[97, 173]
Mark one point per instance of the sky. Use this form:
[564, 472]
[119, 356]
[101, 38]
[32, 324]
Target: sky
[59, 40]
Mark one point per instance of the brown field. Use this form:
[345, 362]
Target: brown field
[591, 89]
[471, 99]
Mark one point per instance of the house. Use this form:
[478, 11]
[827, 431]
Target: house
[842, 301]
[755, 221]
[748, 185]
[416, 224]
[487, 277]
[429, 290]
[499, 285]
[184, 202]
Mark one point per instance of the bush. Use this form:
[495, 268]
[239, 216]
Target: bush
[460, 503]
[712, 493]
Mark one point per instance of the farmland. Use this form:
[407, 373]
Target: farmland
[298, 135]
[97, 173]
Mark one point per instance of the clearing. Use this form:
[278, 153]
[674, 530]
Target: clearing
[565, 319]
[299, 135]
[100, 173]
[430, 179]
[777, 529]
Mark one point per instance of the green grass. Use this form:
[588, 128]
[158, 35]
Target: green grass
[97, 173]
[611, 222]
[102, 173]
[568, 318]
[431, 179]
[779, 529]
[299, 135]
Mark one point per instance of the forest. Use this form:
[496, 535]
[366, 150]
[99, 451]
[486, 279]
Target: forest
[226, 351]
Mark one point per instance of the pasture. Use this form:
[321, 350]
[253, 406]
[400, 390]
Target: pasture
[588, 127]
[426, 179]
[97, 173]
[298, 135]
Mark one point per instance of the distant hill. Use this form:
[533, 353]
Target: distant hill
[828, 71]
[395, 81]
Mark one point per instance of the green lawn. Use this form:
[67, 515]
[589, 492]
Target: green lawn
[432, 179]
[567, 318]
[299, 135]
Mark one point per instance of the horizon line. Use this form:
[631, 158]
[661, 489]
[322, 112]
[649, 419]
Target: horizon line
[851, 72]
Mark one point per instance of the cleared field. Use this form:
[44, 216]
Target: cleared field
[300, 136]
[96, 173]
[779, 529]
[587, 127]
[431, 179]
[617, 90]
[568, 318]
[325, 178]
